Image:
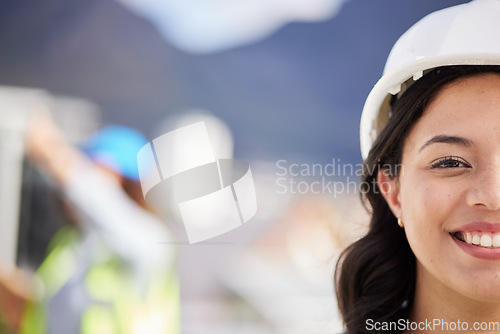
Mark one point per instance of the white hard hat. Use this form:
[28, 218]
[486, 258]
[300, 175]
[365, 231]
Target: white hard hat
[467, 34]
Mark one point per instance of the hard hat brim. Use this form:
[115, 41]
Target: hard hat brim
[376, 108]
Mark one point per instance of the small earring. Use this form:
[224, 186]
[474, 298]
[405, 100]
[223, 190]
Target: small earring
[400, 223]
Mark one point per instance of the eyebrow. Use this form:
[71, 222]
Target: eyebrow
[447, 140]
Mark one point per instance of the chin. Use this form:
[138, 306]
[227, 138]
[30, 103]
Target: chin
[482, 289]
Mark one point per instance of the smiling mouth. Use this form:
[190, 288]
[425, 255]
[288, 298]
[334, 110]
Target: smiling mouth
[480, 239]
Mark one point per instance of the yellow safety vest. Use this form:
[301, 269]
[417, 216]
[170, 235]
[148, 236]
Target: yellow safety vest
[118, 308]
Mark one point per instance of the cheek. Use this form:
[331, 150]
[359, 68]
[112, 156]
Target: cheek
[427, 201]
[426, 208]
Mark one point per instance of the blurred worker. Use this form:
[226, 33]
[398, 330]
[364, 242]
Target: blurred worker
[109, 273]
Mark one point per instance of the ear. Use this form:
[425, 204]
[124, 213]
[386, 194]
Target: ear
[389, 187]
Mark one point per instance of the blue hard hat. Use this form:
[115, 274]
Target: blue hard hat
[116, 147]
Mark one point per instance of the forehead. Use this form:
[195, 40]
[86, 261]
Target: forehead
[468, 107]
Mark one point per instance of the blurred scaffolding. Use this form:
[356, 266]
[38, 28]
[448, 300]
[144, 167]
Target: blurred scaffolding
[272, 275]
[27, 221]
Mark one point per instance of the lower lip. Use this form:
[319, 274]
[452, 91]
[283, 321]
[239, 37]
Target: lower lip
[477, 251]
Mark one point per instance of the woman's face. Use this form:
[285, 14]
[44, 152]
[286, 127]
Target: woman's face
[448, 193]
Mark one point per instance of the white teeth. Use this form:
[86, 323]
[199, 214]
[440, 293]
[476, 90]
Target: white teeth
[485, 240]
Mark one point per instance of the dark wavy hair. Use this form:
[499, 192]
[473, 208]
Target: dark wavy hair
[375, 277]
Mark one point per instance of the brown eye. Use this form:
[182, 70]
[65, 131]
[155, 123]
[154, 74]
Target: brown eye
[450, 162]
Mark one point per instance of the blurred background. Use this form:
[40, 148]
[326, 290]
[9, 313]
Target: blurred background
[287, 77]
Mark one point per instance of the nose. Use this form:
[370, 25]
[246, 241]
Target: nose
[485, 190]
